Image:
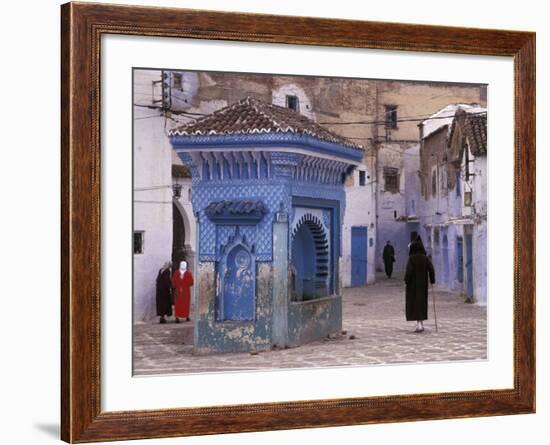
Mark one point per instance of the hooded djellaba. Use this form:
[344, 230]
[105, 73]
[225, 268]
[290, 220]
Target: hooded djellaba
[164, 292]
[419, 270]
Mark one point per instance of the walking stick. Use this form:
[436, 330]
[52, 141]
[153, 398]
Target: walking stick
[435, 313]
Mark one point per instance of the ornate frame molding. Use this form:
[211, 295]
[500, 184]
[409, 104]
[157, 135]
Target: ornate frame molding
[82, 26]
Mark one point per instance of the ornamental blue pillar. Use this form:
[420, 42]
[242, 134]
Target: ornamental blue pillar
[268, 191]
[281, 298]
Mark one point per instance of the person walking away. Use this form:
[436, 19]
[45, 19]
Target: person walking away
[164, 292]
[388, 255]
[419, 270]
[419, 241]
[182, 280]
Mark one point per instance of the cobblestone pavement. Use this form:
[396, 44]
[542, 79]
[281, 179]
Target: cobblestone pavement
[374, 332]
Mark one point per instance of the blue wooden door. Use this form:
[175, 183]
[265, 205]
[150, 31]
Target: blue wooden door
[358, 256]
[239, 288]
[445, 254]
[459, 260]
[469, 266]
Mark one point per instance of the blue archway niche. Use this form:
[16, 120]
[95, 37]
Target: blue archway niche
[310, 259]
[237, 289]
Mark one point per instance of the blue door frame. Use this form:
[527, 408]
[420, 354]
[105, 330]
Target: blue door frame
[469, 266]
[459, 260]
[445, 254]
[359, 256]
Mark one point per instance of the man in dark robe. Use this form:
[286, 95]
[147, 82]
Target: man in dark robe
[419, 270]
[388, 255]
[421, 244]
[164, 292]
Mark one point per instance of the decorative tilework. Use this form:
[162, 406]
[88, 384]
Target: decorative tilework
[272, 193]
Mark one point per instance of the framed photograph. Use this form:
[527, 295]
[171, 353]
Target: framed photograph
[275, 222]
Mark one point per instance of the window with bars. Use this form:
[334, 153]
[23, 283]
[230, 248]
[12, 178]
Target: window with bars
[391, 116]
[362, 178]
[138, 241]
[391, 179]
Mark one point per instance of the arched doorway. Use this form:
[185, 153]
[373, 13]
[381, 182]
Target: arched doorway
[178, 238]
[310, 259]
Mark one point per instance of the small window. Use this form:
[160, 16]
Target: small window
[391, 179]
[458, 183]
[177, 84]
[413, 206]
[391, 116]
[467, 199]
[293, 103]
[443, 181]
[434, 184]
[362, 178]
[436, 236]
[138, 242]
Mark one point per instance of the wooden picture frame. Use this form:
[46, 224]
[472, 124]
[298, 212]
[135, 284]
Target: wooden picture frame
[82, 26]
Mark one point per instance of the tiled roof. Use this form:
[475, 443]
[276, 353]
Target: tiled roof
[473, 127]
[252, 116]
[476, 131]
[445, 117]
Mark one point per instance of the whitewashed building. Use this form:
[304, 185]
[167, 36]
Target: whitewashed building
[163, 225]
[452, 198]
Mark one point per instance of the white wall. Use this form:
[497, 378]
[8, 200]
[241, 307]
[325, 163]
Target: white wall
[30, 375]
[360, 211]
[152, 195]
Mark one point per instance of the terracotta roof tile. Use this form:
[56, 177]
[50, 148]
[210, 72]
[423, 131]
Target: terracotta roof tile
[471, 126]
[252, 116]
[476, 131]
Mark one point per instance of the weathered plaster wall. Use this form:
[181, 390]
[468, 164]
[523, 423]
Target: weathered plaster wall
[213, 336]
[314, 319]
[480, 228]
[152, 195]
[419, 100]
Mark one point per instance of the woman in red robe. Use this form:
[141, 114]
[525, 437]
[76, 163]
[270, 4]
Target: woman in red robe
[182, 280]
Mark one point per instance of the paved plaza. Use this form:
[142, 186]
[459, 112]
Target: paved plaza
[374, 332]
